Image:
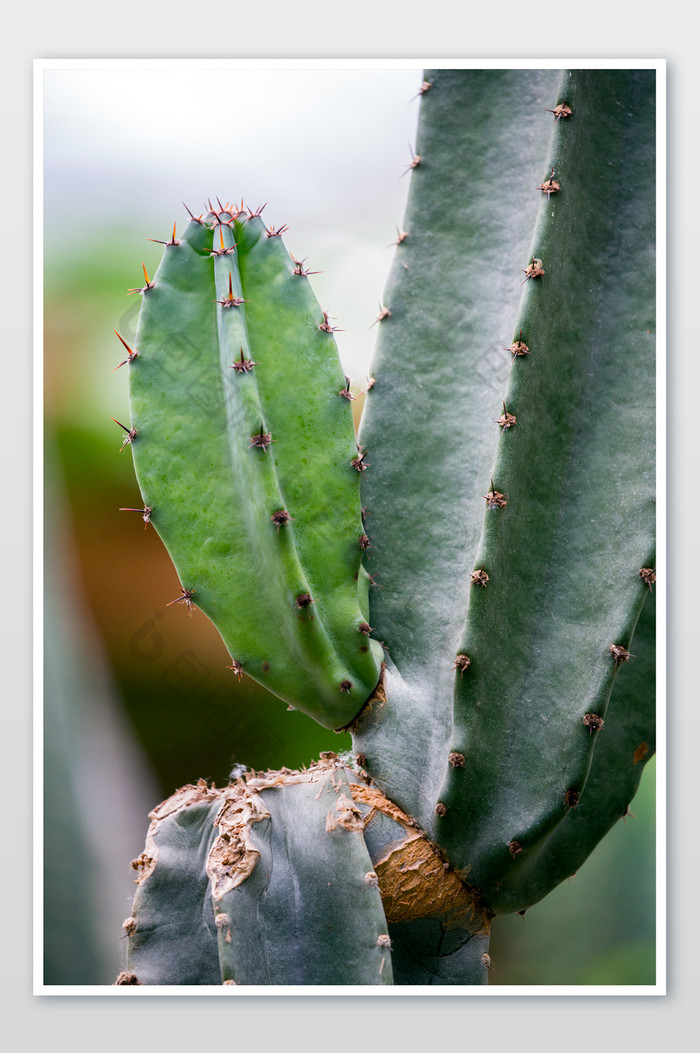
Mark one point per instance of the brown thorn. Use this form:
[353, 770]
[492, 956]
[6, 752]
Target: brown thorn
[462, 662]
[132, 354]
[299, 268]
[236, 667]
[416, 159]
[518, 347]
[345, 392]
[593, 722]
[550, 186]
[223, 251]
[534, 269]
[619, 654]
[494, 498]
[130, 434]
[384, 312]
[326, 326]
[173, 240]
[506, 420]
[243, 364]
[648, 576]
[146, 512]
[425, 86]
[149, 284]
[262, 440]
[230, 300]
[401, 236]
[561, 110]
[186, 598]
[281, 518]
[196, 219]
[358, 463]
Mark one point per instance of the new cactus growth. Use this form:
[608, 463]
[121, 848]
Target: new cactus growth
[506, 462]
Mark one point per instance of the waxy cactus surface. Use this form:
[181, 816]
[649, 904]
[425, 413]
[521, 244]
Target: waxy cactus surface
[244, 446]
[265, 881]
[510, 428]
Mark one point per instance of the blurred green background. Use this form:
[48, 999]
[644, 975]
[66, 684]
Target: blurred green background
[138, 697]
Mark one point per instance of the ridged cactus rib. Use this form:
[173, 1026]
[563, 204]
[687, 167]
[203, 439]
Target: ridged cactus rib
[439, 372]
[622, 749]
[564, 543]
[171, 932]
[265, 881]
[309, 911]
[243, 449]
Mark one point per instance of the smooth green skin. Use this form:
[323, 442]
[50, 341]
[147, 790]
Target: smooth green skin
[306, 915]
[578, 473]
[212, 493]
[175, 942]
[428, 421]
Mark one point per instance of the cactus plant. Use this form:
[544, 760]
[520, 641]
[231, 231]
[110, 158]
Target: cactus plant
[508, 529]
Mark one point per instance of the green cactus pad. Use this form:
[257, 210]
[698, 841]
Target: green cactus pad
[243, 446]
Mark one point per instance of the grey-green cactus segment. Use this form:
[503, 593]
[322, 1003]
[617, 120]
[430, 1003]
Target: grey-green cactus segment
[625, 744]
[265, 881]
[171, 933]
[244, 446]
[569, 513]
[309, 911]
[439, 371]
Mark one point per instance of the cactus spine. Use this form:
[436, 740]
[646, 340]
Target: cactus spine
[512, 531]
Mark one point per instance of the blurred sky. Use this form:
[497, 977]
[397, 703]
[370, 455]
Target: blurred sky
[126, 144]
